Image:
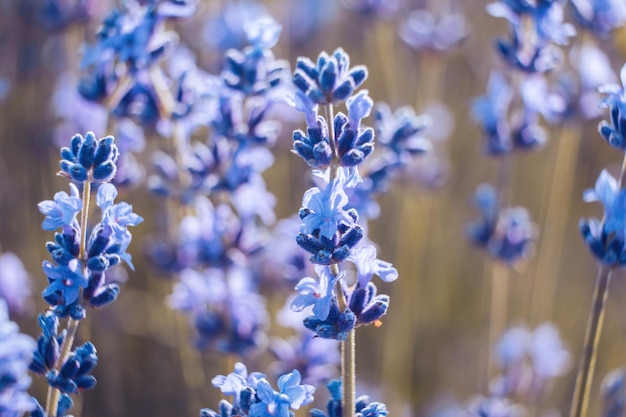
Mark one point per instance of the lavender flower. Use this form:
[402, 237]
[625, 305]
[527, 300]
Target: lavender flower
[385, 9]
[61, 211]
[255, 397]
[506, 233]
[318, 293]
[613, 393]
[531, 51]
[363, 406]
[422, 30]
[605, 239]
[529, 359]
[16, 352]
[14, 283]
[615, 132]
[600, 17]
[331, 80]
[314, 357]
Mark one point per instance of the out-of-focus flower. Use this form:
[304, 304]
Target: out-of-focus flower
[373, 8]
[615, 132]
[506, 233]
[600, 17]
[424, 31]
[529, 359]
[16, 353]
[606, 238]
[330, 80]
[613, 393]
[14, 283]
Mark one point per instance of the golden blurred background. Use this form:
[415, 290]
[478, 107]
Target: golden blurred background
[433, 345]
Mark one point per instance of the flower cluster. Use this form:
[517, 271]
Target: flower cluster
[218, 184]
[253, 395]
[606, 238]
[329, 230]
[16, 353]
[529, 360]
[506, 233]
[334, 408]
[81, 259]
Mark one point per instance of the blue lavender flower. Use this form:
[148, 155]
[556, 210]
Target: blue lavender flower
[225, 309]
[530, 52]
[291, 395]
[89, 159]
[401, 131]
[318, 293]
[368, 265]
[367, 306]
[605, 239]
[600, 17]
[363, 406]
[65, 282]
[615, 132]
[373, 8]
[314, 145]
[237, 381]
[422, 30]
[529, 359]
[61, 211]
[331, 80]
[491, 111]
[495, 406]
[254, 71]
[226, 30]
[16, 352]
[506, 233]
[336, 325]
[323, 209]
[49, 344]
[255, 397]
[15, 283]
[613, 393]
[314, 357]
[73, 376]
[594, 70]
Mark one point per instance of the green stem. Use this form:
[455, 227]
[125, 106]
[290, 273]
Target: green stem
[52, 399]
[580, 400]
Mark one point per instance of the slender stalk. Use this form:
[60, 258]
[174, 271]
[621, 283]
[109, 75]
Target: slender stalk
[52, 399]
[580, 400]
[348, 356]
[498, 309]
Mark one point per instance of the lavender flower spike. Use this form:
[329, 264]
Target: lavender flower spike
[16, 352]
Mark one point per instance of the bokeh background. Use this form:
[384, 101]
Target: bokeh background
[433, 346]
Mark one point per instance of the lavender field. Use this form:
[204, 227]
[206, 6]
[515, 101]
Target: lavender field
[312, 208]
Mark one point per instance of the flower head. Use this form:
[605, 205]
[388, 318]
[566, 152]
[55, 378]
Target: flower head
[615, 131]
[318, 293]
[61, 211]
[16, 353]
[330, 80]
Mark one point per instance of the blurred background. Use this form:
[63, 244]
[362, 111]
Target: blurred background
[433, 346]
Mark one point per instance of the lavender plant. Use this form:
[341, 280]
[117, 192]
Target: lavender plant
[82, 256]
[605, 240]
[16, 353]
[335, 145]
